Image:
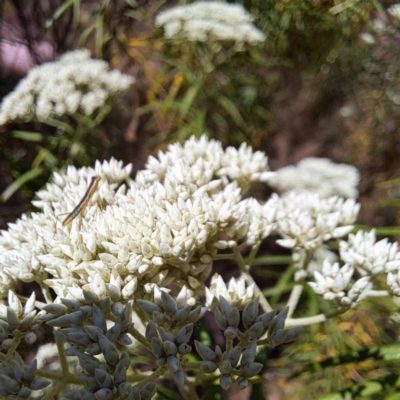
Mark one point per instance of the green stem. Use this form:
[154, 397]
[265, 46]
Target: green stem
[294, 299]
[249, 280]
[63, 358]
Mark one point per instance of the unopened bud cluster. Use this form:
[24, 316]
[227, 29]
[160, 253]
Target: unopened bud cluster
[239, 360]
[169, 332]
[84, 326]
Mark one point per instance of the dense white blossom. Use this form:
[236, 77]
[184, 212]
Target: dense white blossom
[394, 11]
[203, 20]
[369, 257]
[318, 175]
[165, 226]
[72, 84]
[332, 281]
[236, 292]
[305, 220]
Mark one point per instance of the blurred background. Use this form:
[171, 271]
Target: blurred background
[324, 83]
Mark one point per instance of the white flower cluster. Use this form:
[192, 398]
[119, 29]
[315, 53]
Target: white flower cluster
[236, 292]
[305, 220]
[394, 11]
[318, 175]
[371, 259]
[208, 20]
[73, 84]
[165, 226]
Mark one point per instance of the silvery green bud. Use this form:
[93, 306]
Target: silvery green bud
[225, 367]
[221, 321]
[226, 308]
[30, 337]
[241, 382]
[88, 363]
[120, 375]
[250, 313]
[12, 318]
[105, 302]
[27, 321]
[179, 377]
[73, 305]
[90, 297]
[124, 360]
[90, 382]
[98, 318]
[123, 389]
[18, 372]
[148, 391]
[7, 344]
[86, 310]
[255, 330]
[115, 294]
[56, 309]
[293, 334]
[104, 394]
[168, 303]
[251, 369]
[30, 371]
[11, 385]
[111, 355]
[93, 331]
[161, 361]
[230, 332]
[157, 346]
[79, 338]
[234, 318]
[124, 340]
[266, 318]
[148, 307]
[24, 393]
[117, 309]
[182, 314]
[184, 348]
[104, 341]
[278, 322]
[114, 332]
[234, 355]
[94, 349]
[204, 351]
[218, 351]
[158, 317]
[103, 378]
[249, 354]
[184, 334]
[173, 364]
[166, 335]
[170, 348]
[208, 366]
[225, 381]
[151, 330]
[278, 337]
[196, 314]
[75, 318]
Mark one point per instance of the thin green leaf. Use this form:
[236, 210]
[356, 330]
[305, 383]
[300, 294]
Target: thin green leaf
[46, 156]
[60, 11]
[231, 109]
[19, 182]
[188, 100]
[28, 136]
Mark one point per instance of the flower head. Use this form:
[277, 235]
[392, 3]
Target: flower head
[318, 175]
[203, 20]
[369, 257]
[74, 83]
